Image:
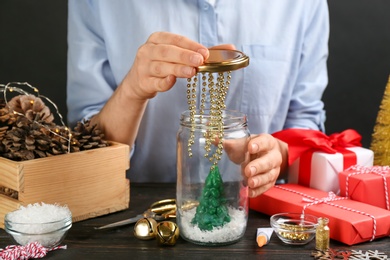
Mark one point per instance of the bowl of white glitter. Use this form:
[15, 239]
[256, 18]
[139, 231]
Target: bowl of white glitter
[46, 224]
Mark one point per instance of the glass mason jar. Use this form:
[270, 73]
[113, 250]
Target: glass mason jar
[212, 195]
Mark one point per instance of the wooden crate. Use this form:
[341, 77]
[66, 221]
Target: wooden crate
[91, 183]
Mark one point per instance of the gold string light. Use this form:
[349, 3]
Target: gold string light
[17, 87]
[215, 75]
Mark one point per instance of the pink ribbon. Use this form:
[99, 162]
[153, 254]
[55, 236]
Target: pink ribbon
[328, 200]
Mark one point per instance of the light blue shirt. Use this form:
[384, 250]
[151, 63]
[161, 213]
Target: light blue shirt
[286, 41]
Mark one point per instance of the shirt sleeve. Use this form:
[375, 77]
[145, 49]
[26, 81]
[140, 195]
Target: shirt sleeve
[89, 77]
[306, 107]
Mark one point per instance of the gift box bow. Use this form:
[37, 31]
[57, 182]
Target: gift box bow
[302, 143]
[304, 140]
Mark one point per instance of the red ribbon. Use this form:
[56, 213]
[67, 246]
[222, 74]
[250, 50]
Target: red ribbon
[302, 143]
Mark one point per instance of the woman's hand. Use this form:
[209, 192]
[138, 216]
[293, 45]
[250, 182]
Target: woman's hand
[269, 158]
[163, 58]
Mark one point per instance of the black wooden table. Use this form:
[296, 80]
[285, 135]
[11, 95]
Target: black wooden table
[84, 242]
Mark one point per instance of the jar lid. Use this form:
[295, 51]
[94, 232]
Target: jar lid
[224, 60]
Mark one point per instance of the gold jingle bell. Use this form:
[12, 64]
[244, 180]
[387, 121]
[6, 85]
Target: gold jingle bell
[167, 233]
[145, 228]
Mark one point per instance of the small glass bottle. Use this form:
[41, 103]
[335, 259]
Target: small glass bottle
[322, 234]
[212, 196]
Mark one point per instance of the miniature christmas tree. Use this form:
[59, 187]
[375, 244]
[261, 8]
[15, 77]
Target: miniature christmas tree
[380, 143]
[212, 210]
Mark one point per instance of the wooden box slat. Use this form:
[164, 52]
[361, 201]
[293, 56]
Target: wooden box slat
[9, 174]
[91, 183]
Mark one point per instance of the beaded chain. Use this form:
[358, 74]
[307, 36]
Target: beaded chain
[217, 92]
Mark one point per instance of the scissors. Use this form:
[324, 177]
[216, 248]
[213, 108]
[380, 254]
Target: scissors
[159, 210]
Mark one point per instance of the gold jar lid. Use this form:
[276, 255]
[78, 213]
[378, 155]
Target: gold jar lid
[224, 60]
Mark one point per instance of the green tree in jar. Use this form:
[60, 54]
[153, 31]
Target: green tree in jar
[212, 210]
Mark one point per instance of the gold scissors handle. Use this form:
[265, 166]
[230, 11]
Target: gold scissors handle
[164, 209]
[159, 210]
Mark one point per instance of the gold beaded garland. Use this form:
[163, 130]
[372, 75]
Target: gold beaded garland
[215, 75]
[217, 92]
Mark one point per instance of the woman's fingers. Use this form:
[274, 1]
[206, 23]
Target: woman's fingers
[264, 168]
[180, 41]
[171, 54]
[224, 47]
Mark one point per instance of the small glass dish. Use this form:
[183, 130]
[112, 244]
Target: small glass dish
[294, 228]
[48, 234]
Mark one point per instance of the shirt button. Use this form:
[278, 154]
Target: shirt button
[206, 6]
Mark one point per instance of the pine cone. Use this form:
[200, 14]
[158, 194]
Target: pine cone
[9, 192]
[28, 131]
[60, 142]
[32, 107]
[87, 136]
[26, 141]
[7, 118]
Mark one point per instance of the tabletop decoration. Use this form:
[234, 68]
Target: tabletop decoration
[212, 143]
[360, 222]
[369, 254]
[315, 159]
[380, 141]
[357, 183]
[44, 160]
[145, 228]
[208, 217]
[29, 251]
[167, 233]
[348, 254]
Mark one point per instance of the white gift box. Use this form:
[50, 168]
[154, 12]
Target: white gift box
[325, 168]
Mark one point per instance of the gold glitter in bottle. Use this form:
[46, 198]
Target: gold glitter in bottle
[322, 234]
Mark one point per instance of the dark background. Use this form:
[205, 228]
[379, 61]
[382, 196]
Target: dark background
[33, 49]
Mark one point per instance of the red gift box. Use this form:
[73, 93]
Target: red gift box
[316, 159]
[366, 184]
[350, 222]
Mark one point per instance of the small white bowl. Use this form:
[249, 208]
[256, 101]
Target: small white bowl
[49, 234]
[294, 228]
